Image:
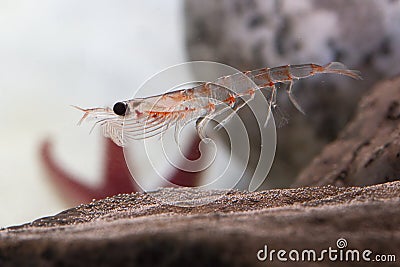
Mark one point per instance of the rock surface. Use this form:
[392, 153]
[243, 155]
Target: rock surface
[136, 230]
[367, 151]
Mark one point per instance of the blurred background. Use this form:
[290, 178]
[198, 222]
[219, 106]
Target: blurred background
[57, 53]
[94, 53]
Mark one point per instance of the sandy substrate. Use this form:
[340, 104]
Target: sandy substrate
[138, 230]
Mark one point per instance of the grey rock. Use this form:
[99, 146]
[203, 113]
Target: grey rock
[367, 151]
[250, 34]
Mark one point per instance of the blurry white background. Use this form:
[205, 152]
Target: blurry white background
[57, 53]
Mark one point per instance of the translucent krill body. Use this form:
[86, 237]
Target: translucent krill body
[141, 118]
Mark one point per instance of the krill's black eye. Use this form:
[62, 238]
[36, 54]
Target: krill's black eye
[120, 108]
